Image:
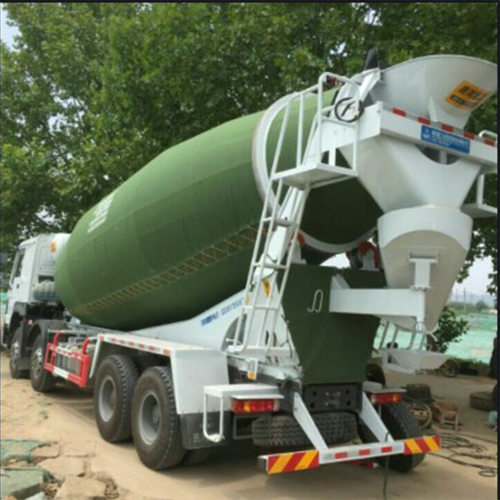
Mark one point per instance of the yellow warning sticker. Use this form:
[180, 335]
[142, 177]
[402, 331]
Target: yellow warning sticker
[467, 96]
[267, 287]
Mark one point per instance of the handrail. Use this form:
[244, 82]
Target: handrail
[258, 268]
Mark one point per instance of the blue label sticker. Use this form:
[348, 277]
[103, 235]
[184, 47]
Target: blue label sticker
[208, 319]
[444, 139]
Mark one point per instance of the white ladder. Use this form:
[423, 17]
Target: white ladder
[279, 231]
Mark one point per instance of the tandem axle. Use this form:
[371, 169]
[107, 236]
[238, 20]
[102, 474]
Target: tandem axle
[211, 408]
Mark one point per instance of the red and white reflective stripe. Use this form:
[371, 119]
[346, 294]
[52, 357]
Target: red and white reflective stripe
[360, 453]
[67, 353]
[136, 345]
[353, 453]
[441, 126]
[400, 112]
[59, 372]
[53, 351]
[357, 454]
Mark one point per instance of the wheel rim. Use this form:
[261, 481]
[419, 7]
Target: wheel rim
[37, 362]
[450, 368]
[107, 398]
[15, 353]
[149, 417]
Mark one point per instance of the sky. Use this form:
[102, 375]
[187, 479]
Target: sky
[477, 281]
[6, 31]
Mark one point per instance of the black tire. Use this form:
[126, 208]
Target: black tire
[283, 431]
[450, 368]
[15, 355]
[145, 361]
[41, 380]
[156, 426]
[482, 400]
[196, 457]
[115, 384]
[419, 392]
[400, 422]
[375, 373]
[494, 397]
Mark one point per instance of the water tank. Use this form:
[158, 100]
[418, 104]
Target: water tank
[177, 237]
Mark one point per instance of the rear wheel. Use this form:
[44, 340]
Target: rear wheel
[15, 357]
[145, 361]
[375, 373]
[401, 424]
[283, 432]
[156, 426]
[482, 400]
[115, 384]
[41, 380]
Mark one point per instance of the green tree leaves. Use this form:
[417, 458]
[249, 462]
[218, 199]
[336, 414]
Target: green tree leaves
[450, 329]
[93, 91]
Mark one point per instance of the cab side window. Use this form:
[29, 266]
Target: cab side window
[16, 272]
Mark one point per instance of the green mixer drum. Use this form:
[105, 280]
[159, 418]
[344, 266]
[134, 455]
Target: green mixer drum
[177, 237]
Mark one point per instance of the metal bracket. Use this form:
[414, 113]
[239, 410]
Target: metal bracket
[224, 393]
[422, 272]
[216, 437]
[372, 420]
[383, 302]
[386, 302]
[308, 425]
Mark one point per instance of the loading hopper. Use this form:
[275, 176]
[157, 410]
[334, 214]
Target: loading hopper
[444, 88]
[421, 188]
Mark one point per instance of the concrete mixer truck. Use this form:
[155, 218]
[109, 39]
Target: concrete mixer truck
[193, 301]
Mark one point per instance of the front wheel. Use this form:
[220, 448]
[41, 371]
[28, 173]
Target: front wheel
[156, 426]
[15, 357]
[41, 380]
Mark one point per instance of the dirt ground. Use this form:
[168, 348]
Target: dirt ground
[66, 417]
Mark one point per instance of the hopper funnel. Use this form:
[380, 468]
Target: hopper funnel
[401, 173]
[419, 166]
[444, 88]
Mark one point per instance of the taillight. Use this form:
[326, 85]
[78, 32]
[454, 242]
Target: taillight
[255, 405]
[386, 398]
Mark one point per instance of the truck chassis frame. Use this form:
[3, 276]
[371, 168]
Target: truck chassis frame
[216, 396]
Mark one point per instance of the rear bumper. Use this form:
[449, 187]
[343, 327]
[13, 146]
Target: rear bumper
[312, 459]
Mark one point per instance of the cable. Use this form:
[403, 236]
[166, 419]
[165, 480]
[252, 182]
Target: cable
[356, 116]
[484, 470]
[478, 438]
[386, 477]
[454, 442]
[386, 472]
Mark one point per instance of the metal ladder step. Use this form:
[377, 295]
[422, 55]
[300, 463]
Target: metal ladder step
[261, 308]
[275, 249]
[313, 174]
[280, 222]
[267, 265]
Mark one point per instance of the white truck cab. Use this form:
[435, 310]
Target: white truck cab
[31, 285]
